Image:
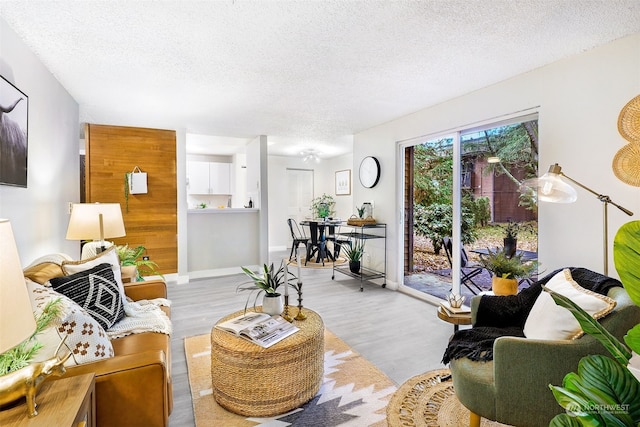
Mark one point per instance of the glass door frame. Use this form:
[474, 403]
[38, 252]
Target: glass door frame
[455, 134]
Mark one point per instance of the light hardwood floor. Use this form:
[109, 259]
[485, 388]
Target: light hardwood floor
[398, 333]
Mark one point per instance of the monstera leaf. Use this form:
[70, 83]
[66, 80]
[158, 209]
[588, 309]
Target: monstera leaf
[626, 253]
[603, 392]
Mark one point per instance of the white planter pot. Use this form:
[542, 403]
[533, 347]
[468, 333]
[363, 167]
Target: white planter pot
[634, 365]
[273, 305]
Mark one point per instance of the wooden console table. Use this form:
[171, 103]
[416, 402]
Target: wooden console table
[61, 403]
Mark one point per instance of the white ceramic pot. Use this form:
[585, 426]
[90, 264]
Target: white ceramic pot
[634, 365]
[273, 305]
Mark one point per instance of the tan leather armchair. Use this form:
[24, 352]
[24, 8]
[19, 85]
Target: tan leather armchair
[133, 388]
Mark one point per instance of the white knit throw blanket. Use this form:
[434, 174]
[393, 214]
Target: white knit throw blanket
[142, 316]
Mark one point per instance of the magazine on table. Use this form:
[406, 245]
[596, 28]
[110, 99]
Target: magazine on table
[259, 328]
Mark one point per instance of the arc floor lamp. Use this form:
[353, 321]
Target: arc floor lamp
[550, 187]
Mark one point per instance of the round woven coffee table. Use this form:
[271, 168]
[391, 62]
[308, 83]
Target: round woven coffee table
[262, 382]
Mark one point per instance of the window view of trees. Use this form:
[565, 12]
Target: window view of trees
[494, 162]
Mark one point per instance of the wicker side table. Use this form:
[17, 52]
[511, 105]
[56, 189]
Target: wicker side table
[262, 382]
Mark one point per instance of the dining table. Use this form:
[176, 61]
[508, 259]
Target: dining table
[317, 229]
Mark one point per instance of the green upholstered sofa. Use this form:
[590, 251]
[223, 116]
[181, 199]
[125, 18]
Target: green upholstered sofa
[513, 387]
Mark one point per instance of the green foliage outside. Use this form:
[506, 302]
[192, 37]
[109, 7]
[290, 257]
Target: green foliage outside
[515, 145]
[481, 211]
[436, 221]
[433, 174]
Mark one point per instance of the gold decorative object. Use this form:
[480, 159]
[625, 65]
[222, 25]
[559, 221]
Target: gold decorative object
[626, 164]
[285, 314]
[629, 120]
[300, 315]
[26, 381]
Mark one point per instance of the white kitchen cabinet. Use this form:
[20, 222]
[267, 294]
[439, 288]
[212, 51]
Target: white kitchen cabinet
[209, 178]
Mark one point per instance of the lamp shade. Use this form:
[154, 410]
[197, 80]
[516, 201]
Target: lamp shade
[16, 316]
[552, 188]
[95, 221]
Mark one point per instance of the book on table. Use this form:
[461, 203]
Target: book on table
[259, 328]
[462, 311]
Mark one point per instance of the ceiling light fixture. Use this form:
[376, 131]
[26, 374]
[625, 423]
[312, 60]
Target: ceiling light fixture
[310, 156]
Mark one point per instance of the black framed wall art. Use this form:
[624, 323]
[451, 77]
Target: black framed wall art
[14, 114]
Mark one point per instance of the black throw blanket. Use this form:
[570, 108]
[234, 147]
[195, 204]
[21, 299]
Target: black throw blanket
[499, 316]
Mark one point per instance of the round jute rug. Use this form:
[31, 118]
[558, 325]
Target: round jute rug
[313, 264]
[428, 400]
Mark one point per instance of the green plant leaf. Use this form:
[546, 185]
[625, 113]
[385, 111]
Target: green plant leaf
[602, 389]
[626, 252]
[564, 420]
[632, 338]
[591, 326]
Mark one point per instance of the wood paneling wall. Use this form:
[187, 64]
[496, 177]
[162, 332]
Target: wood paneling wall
[151, 220]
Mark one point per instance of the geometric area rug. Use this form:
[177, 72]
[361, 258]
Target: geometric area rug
[354, 393]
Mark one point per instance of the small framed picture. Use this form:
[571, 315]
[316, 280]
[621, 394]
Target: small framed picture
[343, 182]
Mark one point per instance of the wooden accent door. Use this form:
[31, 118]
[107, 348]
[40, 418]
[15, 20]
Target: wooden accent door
[150, 219]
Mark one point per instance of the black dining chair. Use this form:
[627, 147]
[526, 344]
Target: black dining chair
[338, 241]
[298, 236]
[468, 269]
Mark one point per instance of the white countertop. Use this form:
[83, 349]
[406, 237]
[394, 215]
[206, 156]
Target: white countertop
[222, 210]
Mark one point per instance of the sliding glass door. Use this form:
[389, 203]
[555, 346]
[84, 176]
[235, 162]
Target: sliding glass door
[463, 188]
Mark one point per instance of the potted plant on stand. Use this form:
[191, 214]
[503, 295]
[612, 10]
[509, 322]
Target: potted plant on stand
[133, 264]
[354, 255]
[323, 206]
[506, 270]
[266, 282]
[510, 240]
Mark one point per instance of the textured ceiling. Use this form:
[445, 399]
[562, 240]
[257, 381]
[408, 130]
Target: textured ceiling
[302, 72]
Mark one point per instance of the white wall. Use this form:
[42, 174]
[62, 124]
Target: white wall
[39, 213]
[579, 101]
[323, 181]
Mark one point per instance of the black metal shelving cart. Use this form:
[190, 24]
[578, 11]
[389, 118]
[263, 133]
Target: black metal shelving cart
[363, 232]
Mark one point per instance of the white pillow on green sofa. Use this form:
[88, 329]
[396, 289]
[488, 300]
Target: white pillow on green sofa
[549, 321]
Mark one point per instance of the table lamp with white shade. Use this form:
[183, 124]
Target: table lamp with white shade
[95, 221]
[17, 322]
[16, 316]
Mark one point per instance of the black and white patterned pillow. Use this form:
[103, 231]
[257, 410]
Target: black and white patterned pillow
[96, 291]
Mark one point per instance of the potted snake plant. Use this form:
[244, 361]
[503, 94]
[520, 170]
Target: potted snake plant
[354, 255]
[266, 282]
